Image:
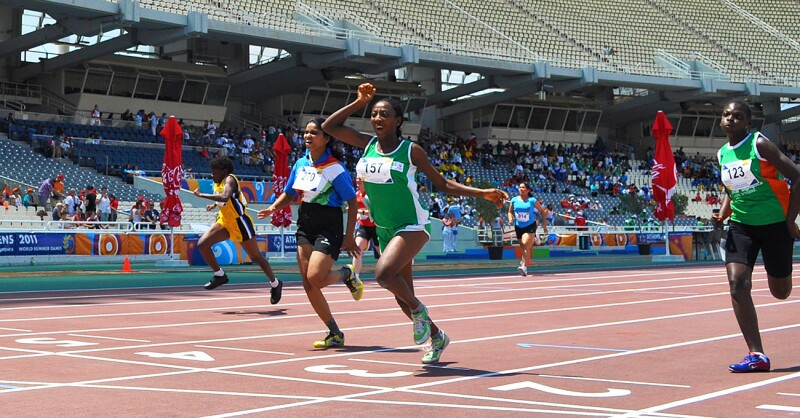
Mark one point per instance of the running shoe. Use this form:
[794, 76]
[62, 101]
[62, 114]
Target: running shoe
[438, 343]
[332, 340]
[523, 270]
[352, 282]
[752, 362]
[422, 326]
[216, 282]
[275, 293]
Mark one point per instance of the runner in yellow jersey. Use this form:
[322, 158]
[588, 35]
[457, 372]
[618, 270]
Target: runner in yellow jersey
[233, 223]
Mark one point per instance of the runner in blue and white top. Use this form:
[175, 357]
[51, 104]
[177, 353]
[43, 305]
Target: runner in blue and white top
[522, 213]
[324, 186]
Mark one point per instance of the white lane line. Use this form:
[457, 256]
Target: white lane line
[614, 381]
[782, 408]
[16, 329]
[415, 404]
[449, 284]
[707, 396]
[447, 295]
[194, 391]
[413, 365]
[109, 338]
[788, 394]
[245, 349]
[585, 307]
[571, 347]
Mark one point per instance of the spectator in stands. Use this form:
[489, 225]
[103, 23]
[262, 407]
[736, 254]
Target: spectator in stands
[151, 216]
[7, 122]
[762, 211]
[448, 223]
[16, 198]
[47, 194]
[114, 204]
[211, 129]
[66, 147]
[79, 218]
[58, 137]
[137, 214]
[580, 221]
[72, 202]
[153, 123]
[30, 199]
[138, 119]
[96, 114]
[126, 115]
[92, 221]
[522, 214]
[90, 200]
[104, 205]
[549, 214]
[58, 186]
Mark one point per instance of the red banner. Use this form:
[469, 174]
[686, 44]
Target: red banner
[665, 174]
[172, 172]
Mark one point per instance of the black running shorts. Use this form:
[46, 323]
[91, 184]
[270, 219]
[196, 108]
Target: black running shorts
[776, 244]
[322, 227]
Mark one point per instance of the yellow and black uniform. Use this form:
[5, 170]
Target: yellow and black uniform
[233, 213]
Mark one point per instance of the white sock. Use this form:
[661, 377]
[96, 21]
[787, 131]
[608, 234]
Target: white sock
[219, 273]
[274, 284]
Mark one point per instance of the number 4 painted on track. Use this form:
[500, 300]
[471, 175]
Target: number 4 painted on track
[186, 355]
[544, 388]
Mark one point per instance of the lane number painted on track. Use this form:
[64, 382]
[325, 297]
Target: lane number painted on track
[549, 389]
[55, 342]
[186, 355]
[339, 369]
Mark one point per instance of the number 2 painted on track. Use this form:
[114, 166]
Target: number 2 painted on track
[328, 368]
[544, 388]
[55, 342]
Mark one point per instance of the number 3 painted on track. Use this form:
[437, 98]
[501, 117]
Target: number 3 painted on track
[544, 388]
[327, 368]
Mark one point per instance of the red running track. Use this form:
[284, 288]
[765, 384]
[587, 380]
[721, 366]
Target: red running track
[651, 342]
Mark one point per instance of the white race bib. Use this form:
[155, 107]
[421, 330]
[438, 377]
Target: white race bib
[308, 179]
[522, 217]
[736, 175]
[375, 170]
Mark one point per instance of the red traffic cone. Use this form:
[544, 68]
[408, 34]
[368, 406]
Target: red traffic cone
[126, 266]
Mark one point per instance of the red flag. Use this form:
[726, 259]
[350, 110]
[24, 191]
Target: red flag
[172, 172]
[665, 174]
[280, 174]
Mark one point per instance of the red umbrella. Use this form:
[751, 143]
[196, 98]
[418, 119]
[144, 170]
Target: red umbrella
[280, 174]
[665, 175]
[172, 172]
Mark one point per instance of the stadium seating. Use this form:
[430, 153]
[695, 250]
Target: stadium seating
[732, 31]
[19, 162]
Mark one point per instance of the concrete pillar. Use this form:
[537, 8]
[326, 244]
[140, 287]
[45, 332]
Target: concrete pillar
[10, 28]
[430, 79]
[773, 130]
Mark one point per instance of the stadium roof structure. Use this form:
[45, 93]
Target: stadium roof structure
[321, 52]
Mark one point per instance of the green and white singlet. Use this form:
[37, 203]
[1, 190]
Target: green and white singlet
[758, 193]
[390, 180]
